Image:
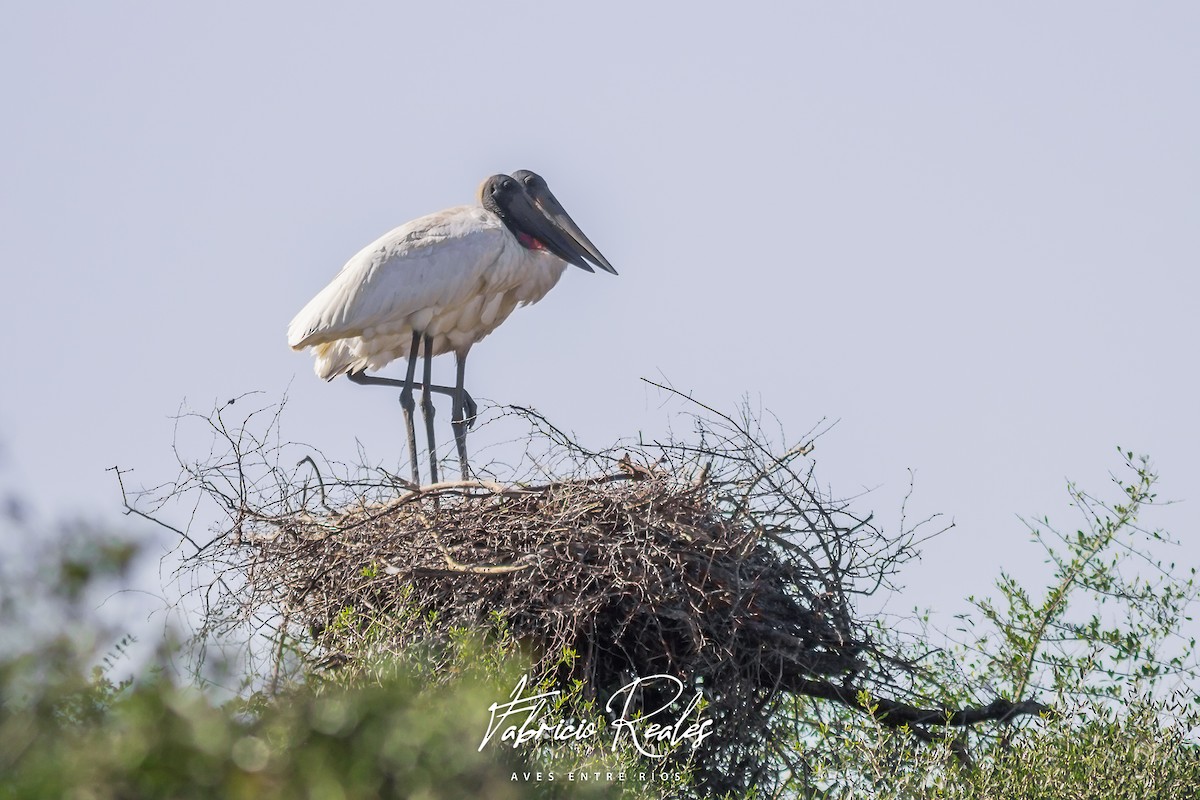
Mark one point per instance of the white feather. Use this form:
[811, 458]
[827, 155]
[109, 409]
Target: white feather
[454, 275]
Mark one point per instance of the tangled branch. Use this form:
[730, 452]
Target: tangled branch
[712, 558]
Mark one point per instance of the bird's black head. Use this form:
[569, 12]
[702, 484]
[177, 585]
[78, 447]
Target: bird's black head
[533, 182]
[496, 191]
[507, 198]
[548, 204]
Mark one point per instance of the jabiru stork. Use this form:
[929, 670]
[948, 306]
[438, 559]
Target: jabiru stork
[440, 284]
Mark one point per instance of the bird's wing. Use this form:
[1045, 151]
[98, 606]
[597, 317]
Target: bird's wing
[429, 263]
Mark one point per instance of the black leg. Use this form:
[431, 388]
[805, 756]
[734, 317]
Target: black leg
[428, 410]
[458, 421]
[362, 379]
[407, 403]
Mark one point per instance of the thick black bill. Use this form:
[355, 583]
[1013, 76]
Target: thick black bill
[524, 217]
[548, 204]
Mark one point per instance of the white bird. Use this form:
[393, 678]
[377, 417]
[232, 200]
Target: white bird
[439, 284]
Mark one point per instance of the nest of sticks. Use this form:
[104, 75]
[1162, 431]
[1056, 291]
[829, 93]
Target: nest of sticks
[635, 572]
[715, 560]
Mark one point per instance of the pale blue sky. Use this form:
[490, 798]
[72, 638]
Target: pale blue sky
[967, 232]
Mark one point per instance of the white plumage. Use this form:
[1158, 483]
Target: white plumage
[439, 284]
[454, 275]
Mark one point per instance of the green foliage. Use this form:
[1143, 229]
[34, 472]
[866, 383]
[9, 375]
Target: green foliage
[157, 739]
[1110, 618]
[1138, 751]
[404, 733]
[1100, 642]
[383, 728]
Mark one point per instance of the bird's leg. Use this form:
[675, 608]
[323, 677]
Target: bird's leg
[362, 379]
[427, 408]
[407, 403]
[457, 421]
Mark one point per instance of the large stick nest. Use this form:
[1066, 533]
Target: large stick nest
[716, 560]
[636, 572]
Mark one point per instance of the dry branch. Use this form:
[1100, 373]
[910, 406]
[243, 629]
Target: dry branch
[714, 560]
